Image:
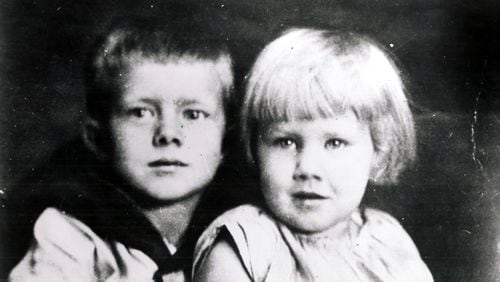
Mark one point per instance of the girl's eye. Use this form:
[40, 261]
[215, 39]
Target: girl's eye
[284, 143]
[195, 114]
[334, 144]
[140, 113]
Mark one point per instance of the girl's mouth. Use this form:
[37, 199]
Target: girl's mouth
[308, 196]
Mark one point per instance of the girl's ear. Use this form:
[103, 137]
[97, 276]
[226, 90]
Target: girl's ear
[378, 167]
[93, 137]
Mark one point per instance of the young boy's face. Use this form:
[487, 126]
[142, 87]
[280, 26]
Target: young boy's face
[314, 172]
[167, 127]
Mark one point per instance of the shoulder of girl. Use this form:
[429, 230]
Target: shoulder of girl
[246, 217]
[383, 229]
[384, 238]
[246, 222]
[253, 232]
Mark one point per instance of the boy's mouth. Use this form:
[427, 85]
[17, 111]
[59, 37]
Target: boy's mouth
[166, 162]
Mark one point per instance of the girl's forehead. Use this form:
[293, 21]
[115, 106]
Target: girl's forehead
[294, 110]
[347, 120]
[313, 95]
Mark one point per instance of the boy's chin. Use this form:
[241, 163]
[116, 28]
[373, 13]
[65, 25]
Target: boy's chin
[152, 199]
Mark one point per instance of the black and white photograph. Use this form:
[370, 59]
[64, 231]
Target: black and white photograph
[266, 140]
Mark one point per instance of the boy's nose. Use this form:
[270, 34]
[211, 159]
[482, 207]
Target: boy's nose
[307, 166]
[168, 131]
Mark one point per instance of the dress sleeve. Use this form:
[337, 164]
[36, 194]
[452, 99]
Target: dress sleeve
[65, 249]
[253, 233]
[388, 251]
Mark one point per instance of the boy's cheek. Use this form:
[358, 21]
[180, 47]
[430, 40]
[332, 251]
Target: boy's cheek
[130, 139]
[209, 132]
[122, 128]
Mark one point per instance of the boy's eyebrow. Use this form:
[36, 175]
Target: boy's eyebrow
[141, 100]
[186, 102]
[182, 102]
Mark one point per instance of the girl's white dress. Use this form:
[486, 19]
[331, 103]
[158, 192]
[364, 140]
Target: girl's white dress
[375, 248]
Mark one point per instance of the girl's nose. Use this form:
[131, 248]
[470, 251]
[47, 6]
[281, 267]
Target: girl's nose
[168, 131]
[308, 165]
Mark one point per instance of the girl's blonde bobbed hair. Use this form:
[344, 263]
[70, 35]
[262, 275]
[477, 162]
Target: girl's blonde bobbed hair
[309, 73]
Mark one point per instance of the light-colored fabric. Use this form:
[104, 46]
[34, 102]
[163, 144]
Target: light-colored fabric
[65, 249]
[375, 249]
[171, 247]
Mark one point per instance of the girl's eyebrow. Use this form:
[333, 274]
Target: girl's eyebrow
[270, 134]
[277, 130]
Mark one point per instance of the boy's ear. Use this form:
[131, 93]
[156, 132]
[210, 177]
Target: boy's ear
[92, 134]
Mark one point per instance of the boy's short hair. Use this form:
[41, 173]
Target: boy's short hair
[134, 40]
[309, 73]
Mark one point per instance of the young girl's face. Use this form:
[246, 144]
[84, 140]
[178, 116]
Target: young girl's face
[314, 172]
[167, 127]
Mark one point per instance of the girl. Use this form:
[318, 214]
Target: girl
[324, 114]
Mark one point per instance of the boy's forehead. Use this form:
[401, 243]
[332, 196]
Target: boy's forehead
[182, 81]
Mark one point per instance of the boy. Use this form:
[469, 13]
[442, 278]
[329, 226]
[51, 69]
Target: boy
[130, 209]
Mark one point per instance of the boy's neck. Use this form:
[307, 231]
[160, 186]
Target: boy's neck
[173, 219]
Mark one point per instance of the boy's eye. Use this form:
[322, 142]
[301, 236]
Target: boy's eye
[284, 143]
[195, 114]
[334, 144]
[140, 113]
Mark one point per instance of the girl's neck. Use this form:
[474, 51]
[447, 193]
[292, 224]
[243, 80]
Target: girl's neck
[342, 232]
[173, 219]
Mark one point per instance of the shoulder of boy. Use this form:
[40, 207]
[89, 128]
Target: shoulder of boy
[65, 249]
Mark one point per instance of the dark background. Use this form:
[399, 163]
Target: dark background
[449, 52]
